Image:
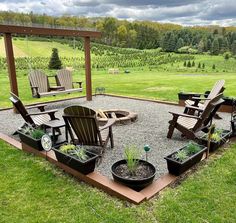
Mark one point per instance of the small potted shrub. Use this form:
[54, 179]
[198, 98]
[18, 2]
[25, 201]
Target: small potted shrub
[76, 157]
[132, 171]
[217, 138]
[31, 136]
[184, 158]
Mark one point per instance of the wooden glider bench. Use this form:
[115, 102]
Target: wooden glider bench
[40, 85]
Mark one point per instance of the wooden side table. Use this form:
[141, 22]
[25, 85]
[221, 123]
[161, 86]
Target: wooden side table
[55, 125]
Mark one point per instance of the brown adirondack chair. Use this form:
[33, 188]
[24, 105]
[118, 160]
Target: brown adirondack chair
[64, 79]
[40, 85]
[189, 125]
[191, 105]
[36, 118]
[82, 122]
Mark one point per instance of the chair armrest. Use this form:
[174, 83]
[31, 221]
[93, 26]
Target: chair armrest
[109, 123]
[193, 108]
[184, 115]
[43, 113]
[41, 107]
[198, 98]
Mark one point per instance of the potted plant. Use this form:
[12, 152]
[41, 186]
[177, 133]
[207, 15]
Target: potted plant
[217, 138]
[76, 157]
[31, 136]
[132, 171]
[184, 158]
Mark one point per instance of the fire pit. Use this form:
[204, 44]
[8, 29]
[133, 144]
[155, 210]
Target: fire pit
[122, 117]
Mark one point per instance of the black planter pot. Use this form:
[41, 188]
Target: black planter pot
[84, 167]
[177, 168]
[185, 96]
[27, 139]
[214, 145]
[228, 101]
[133, 183]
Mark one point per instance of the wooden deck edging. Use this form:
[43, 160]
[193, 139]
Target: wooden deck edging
[97, 180]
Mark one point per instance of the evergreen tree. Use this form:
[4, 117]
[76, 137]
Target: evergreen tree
[55, 62]
[233, 47]
[193, 64]
[203, 66]
[185, 63]
[199, 65]
[213, 66]
[180, 43]
[189, 64]
[215, 48]
[226, 56]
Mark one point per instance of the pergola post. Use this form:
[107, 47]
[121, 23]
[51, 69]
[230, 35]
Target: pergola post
[88, 68]
[11, 64]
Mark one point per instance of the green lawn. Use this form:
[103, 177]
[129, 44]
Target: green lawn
[32, 190]
[141, 82]
[38, 49]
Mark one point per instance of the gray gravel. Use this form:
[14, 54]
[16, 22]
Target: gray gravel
[150, 128]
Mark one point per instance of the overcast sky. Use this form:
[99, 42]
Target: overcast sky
[185, 12]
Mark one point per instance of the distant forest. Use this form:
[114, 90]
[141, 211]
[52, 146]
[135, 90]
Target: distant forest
[140, 34]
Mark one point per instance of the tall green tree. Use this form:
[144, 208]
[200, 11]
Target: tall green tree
[180, 43]
[215, 48]
[233, 47]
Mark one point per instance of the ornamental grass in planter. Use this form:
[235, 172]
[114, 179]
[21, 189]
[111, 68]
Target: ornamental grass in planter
[217, 138]
[184, 158]
[31, 136]
[76, 157]
[132, 171]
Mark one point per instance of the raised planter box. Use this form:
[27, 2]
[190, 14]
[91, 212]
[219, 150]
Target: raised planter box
[136, 184]
[214, 145]
[27, 139]
[177, 168]
[84, 167]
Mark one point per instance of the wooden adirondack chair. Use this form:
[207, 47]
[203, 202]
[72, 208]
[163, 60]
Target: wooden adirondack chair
[83, 122]
[191, 105]
[36, 118]
[40, 85]
[64, 79]
[189, 125]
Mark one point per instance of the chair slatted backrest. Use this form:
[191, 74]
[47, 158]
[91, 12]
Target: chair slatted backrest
[84, 124]
[206, 115]
[64, 79]
[217, 89]
[38, 79]
[21, 109]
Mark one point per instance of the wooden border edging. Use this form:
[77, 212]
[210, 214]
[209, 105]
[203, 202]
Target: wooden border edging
[96, 179]
[141, 99]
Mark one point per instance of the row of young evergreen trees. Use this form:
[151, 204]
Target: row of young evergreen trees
[140, 34]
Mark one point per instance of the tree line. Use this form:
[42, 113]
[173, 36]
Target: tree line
[140, 34]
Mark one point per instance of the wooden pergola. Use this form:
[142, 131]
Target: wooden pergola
[9, 30]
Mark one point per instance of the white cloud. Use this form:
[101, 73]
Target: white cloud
[186, 12]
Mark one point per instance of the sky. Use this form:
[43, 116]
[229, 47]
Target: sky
[184, 12]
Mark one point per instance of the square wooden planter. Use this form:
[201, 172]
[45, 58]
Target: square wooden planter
[28, 140]
[177, 168]
[84, 167]
[214, 145]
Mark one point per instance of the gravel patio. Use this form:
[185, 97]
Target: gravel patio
[150, 128]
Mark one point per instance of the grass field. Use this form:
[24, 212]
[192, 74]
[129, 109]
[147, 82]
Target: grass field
[32, 190]
[139, 83]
